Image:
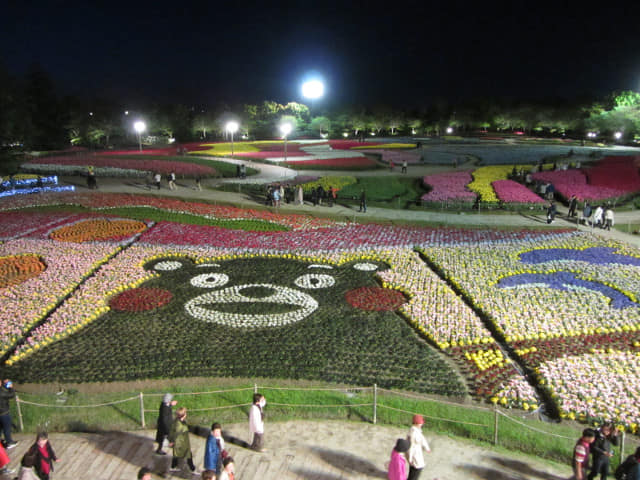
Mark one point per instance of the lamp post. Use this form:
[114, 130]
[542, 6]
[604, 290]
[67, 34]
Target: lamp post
[285, 129]
[139, 127]
[232, 127]
[312, 90]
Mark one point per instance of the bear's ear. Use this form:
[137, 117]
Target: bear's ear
[367, 266]
[168, 264]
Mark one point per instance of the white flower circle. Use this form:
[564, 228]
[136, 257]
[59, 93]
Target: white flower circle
[167, 265]
[209, 280]
[367, 267]
[203, 307]
[315, 280]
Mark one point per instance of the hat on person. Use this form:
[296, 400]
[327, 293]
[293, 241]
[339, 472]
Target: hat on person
[418, 420]
[402, 445]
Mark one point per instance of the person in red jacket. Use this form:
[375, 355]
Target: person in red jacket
[44, 454]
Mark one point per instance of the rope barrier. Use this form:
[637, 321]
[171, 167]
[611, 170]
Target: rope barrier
[218, 408]
[417, 397]
[199, 393]
[319, 389]
[533, 428]
[79, 406]
[435, 418]
[319, 405]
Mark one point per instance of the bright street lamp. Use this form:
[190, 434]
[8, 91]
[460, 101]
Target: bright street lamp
[285, 129]
[232, 127]
[139, 127]
[313, 89]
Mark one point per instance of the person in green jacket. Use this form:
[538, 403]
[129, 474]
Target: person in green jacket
[179, 440]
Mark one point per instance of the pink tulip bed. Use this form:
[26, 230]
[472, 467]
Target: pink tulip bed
[144, 164]
[515, 193]
[449, 187]
[564, 302]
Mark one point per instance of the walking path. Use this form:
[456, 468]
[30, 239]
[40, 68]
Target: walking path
[329, 450]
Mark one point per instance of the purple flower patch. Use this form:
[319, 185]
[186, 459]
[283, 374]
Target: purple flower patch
[566, 281]
[594, 255]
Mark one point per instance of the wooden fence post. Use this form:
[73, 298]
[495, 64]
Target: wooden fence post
[142, 410]
[375, 403]
[622, 447]
[19, 413]
[255, 388]
[495, 425]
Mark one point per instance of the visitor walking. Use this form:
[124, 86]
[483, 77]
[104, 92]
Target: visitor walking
[256, 422]
[300, 195]
[214, 451]
[581, 454]
[179, 440]
[630, 468]
[165, 420]
[573, 204]
[404, 166]
[398, 464]
[551, 212]
[228, 469]
[417, 444]
[144, 474]
[586, 213]
[27, 467]
[597, 216]
[7, 393]
[602, 450]
[363, 202]
[44, 456]
[172, 181]
[157, 178]
[199, 183]
[4, 462]
[608, 218]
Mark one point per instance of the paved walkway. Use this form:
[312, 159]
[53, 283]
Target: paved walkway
[318, 450]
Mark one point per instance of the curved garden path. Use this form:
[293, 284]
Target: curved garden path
[320, 450]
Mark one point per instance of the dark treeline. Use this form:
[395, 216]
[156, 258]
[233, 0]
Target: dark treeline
[35, 116]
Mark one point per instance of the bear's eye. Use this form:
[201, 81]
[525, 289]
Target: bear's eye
[367, 267]
[167, 266]
[209, 280]
[315, 280]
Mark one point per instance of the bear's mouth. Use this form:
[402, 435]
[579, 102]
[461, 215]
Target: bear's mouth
[253, 305]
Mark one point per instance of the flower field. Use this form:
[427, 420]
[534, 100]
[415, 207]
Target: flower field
[568, 308]
[112, 164]
[99, 297]
[450, 186]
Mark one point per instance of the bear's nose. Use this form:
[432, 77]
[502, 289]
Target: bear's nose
[256, 291]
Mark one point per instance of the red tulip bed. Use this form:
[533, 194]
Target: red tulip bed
[94, 303]
[611, 178]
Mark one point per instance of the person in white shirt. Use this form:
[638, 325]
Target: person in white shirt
[256, 422]
[417, 444]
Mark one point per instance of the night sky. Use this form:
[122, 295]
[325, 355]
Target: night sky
[403, 54]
